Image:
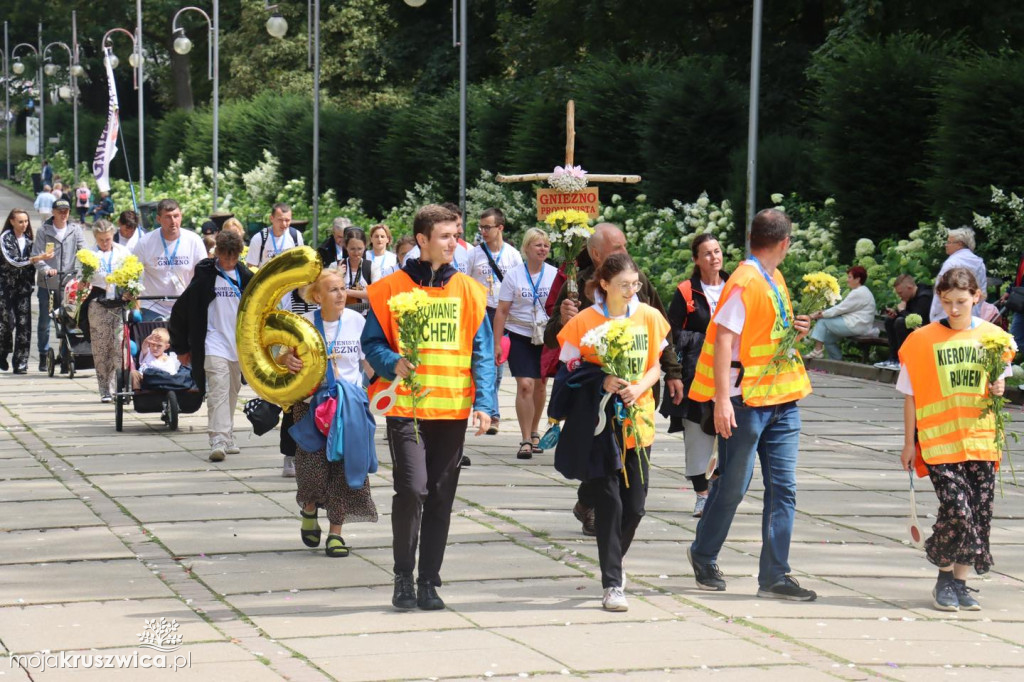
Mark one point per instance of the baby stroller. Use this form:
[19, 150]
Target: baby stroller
[73, 351]
[168, 403]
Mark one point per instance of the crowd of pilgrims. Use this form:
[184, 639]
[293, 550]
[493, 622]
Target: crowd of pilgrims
[529, 325]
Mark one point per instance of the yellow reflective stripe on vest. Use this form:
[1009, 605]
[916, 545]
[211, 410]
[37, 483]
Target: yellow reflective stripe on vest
[978, 445]
[446, 359]
[954, 401]
[432, 401]
[766, 350]
[781, 389]
[969, 424]
[458, 382]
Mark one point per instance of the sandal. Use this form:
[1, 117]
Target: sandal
[310, 537]
[525, 450]
[537, 449]
[336, 546]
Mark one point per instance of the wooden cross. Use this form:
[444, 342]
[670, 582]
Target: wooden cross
[570, 150]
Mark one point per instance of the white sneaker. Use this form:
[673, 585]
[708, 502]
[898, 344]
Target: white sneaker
[106, 399]
[698, 506]
[232, 448]
[217, 452]
[614, 600]
[288, 469]
[814, 354]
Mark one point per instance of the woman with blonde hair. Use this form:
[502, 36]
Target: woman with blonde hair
[521, 314]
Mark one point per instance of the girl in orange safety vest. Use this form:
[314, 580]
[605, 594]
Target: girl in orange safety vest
[946, 439]
[620, 495]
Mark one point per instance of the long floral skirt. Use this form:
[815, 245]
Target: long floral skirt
[966, 491]
[322, 482]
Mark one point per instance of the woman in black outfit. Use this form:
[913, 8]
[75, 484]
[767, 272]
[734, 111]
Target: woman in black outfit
[17, 280]
[692, 306]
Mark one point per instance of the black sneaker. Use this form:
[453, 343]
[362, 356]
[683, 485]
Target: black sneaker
[427, 599]
[405, 594]
[708, 576]
[787, 588]
[3, 362]
[963, 596]
[944, 594]
[466, 461]
[42, 364]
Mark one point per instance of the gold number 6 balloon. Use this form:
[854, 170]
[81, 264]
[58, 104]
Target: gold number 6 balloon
[261, 325]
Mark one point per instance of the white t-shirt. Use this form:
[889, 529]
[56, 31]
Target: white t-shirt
[353, 275]
[732, 315]
[382, 266]
[222, 316]
[132, 241]
[22, 240]
[516, 288]
[460, 261]
[506, 259]
[168, 266]
[168, 362]
[713, 292]
[109, 261]
[344, 345]
[275, 245]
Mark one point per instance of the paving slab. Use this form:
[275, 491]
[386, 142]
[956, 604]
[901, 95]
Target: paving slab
[422, 655]
[182, 508]
[281, 572]
[62, 513]
[61, 544]
[164, 484]
[45, 583]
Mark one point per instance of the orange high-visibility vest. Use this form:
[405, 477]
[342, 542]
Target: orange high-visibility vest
[649, 329]
[762, 331]
[949, 382]
[456, 312]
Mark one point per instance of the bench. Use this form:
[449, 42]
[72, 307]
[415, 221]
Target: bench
[867, 342]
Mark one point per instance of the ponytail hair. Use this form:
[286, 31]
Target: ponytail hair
[612, 266]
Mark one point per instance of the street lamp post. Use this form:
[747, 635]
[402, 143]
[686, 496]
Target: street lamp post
[460, 38]
[277, 27]
[7, 105]
[182, 45]
[74, 70]
[18, 68]
[755, 91]
[135, 60]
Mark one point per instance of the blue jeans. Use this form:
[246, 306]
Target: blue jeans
[499, 373]
[829, 330]
[43, 323]
[773, 433]
[1017, 328]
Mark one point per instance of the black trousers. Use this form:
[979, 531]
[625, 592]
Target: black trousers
[287, 442]
[617, 513]
[426, 475]
[896, 332]
[16, 327]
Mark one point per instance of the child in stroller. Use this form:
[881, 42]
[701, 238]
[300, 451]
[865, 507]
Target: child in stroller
[156, 362]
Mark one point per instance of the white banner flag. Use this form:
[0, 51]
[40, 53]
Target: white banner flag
[32, 136]
[106, 150]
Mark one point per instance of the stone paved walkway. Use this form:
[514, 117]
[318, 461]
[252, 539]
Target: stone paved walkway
[102, 531]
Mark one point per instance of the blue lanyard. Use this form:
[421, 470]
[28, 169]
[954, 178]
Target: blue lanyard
[273, 243]
[108, 265]
[604, 308]
[170, 257]
[533, 285]
[236, 285]
[775, 289]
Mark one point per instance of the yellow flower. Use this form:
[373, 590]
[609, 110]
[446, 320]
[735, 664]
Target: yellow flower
[408, 302]
[88, 258]
[996, 340]
[566, 219]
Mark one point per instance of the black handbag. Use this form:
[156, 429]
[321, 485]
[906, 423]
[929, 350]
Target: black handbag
[1015, 301]
[262, 415]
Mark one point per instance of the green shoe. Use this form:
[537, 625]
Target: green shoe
[336, 546]
[310, 531]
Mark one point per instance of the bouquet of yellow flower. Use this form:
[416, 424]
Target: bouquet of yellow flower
[997, 351]
[128, 276]
[569, 234]
[611, 342]
[821, 290]
[90, 263]
[410, 311]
